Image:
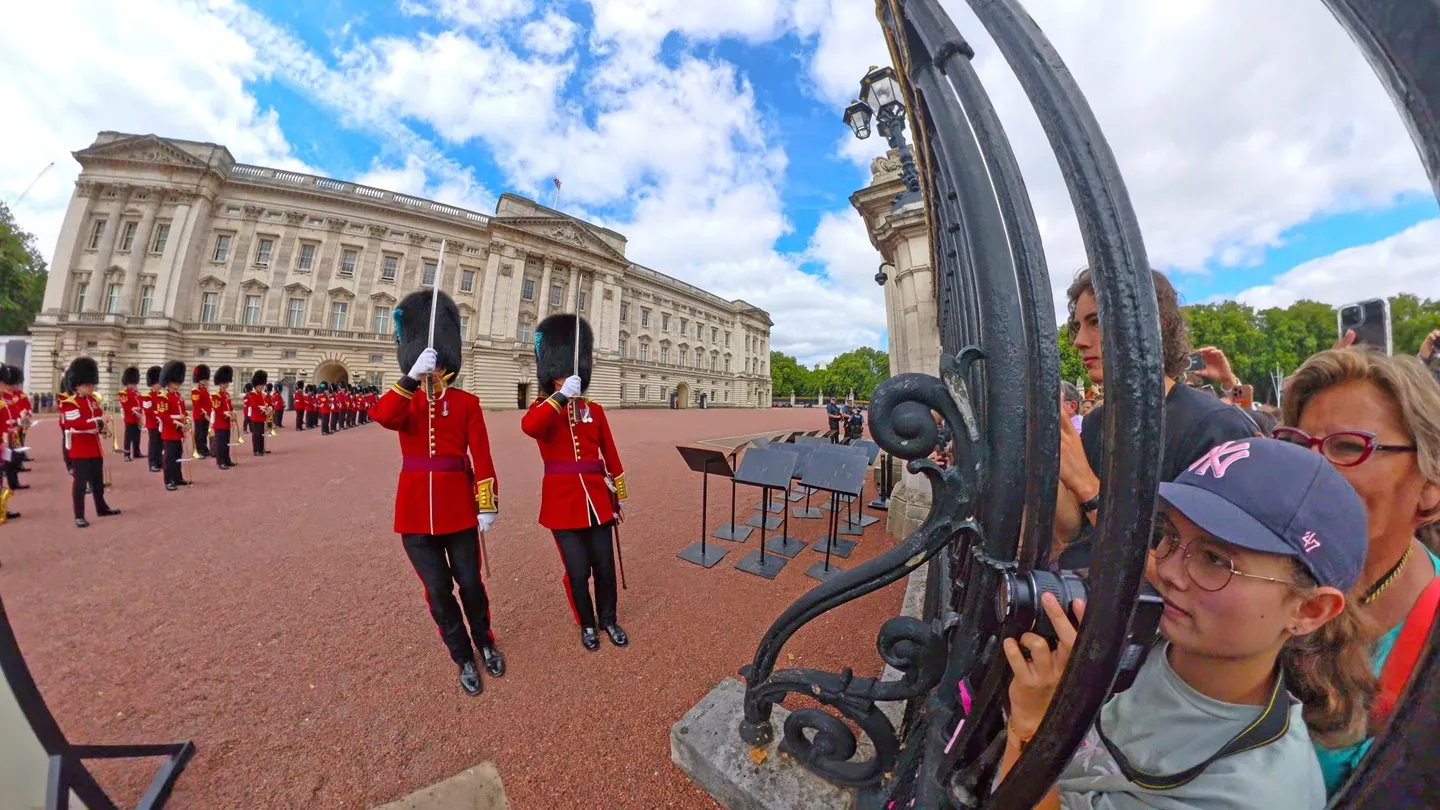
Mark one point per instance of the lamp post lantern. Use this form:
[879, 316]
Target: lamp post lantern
[881, 101]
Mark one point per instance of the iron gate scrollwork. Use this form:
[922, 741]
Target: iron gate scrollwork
[996, 388]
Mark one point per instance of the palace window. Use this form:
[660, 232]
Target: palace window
[202, 352]
[147, 299]
[622, 391]
[209, 303]
[339, 311]
[252, 310]
[664, 322]
[727, 365]
[80, 290]
[624, 312]
[222, 248]
[295, 313]
[684, 326]
[644, 392]
[304, 261]
[127, 236]
[464, 327]
[467, 281]
[262, 251]
[527, 289]
[714, 334]
[622, 348]
[112, 299]
[644, 317]
[699, 358]
[244, 354]
[714, 363]
[582, 300]
[347, 262]
[664, 354]
[162, 235]
[727, 396]
[377, 358]
[382, 320]
[427, 279]
[388, 267]
[644, 351]
[97, 230]
[289, 354]
[524, 333]
[555, 295]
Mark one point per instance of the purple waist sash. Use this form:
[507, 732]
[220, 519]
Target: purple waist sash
[438, 464]
[574, 467]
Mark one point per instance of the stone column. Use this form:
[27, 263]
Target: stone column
[489, 289]
[72, 230]
[612, 326]
[137, 255]
[598, 317]
[184, 226]
[543, 303]
[106, 254]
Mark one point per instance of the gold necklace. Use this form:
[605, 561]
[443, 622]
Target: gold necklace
[1389, 579]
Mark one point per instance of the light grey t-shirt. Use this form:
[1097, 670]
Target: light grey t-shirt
[1164, 726]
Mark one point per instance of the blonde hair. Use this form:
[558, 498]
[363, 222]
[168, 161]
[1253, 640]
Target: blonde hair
[1407, 382]
[1329, 671]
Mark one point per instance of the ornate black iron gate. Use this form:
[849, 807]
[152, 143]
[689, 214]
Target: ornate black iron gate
[996, 389]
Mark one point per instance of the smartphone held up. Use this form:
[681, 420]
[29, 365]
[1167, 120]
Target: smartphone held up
[1370, 321]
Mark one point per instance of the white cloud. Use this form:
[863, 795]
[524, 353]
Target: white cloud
[551, 35]
[411, 178]
[1405, 262]
[471, 13]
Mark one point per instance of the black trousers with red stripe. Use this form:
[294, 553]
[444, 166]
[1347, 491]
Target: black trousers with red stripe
[443, 562]
[585, 553]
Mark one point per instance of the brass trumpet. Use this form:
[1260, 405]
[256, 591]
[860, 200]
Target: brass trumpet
[5, 494]
[270, 420]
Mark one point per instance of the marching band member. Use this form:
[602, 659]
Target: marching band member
[301, 405]
[222, 410]
[9, 437]
[583, 493]
[23, 410]
[133, 410]
[150, 404]
[447, 492]
[325, 405]
[256, 409]
[312, 400]
[170, 410]
[83, 423]
[276, 401]
[16, 420]
[200, 408]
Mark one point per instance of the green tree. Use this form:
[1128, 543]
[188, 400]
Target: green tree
[786, 375]
[1072, 365]
[858, 370]
[22, 276]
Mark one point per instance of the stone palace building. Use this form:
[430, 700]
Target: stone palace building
[172, 250]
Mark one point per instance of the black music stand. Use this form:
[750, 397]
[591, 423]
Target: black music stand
[884, 484]
[838, 474]
[732, 531]
[707, 462]
[783, 543]
[856, 524]
[768, 469]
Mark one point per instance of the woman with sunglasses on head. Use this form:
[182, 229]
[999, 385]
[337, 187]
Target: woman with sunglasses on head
[1255, 547]
[1377, 420]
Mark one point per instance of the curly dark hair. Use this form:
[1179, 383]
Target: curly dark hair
[1174, 336]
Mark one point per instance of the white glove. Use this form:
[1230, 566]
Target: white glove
[571, 387]
[487, 519]
[622, 506]
[424, 364]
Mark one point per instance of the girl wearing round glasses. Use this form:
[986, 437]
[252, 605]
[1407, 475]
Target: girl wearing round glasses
[1377, 420]
[1255, 547]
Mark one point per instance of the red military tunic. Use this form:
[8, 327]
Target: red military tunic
[446, 476]
[324, 403]
[220, 408]
[81, 418]
[200, 403]
[579, 454]
[131, 406]
[150, 403]
[170, 410]
[276, 401]
[301, 403]
[255, 407]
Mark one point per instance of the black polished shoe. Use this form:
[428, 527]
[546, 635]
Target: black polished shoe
[128, 458]
[617, 636]
[81, 522]
[11, 515]
[494, 661]
[171, 487]
[589, 639]
[470, 679]
[184, 483]
[108, 512]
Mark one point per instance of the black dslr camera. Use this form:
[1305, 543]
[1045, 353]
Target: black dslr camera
[1018, 610]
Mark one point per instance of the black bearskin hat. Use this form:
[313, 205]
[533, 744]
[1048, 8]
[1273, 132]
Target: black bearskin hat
[412, 329]
[269, 388]
[249, 387]
[258, 378]
[152, 376]
[130, 376]
[10, 375]
[84, 371]
[224, 375]
[555, 351]
[66, 386]
[310, 388]
[201, 374]
[174, 372]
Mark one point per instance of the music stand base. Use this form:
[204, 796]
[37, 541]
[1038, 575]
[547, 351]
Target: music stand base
[803, 513]
[821, 572]
[733, 533]
[771, 524]
[840, 548]
[703, 555]
[770, 568]
[852, 529]
[796, 495]
[785, 546]
[883, 504]
[774, 507]
[864, 520]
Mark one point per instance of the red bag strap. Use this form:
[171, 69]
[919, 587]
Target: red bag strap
[1406, 652]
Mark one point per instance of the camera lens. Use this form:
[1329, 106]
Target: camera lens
[1017, 602]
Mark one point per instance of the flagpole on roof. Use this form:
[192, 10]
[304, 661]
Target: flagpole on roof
[555, 200]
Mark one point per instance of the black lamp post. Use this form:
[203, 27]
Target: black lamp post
[110, 362]
[880, 99]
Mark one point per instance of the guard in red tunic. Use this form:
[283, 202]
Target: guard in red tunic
[222, 417]
[326, 400]
[83, 422]
[150, 404]
[133, 410]
[583, 493]
[200, 408]
[170, 410]
[447, 493]
[301, 405]
[256, 407]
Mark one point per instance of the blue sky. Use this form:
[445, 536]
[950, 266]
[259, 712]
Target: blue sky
[709, 132]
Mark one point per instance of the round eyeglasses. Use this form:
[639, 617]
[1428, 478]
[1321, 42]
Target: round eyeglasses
[1343, 448]
[1208, 565]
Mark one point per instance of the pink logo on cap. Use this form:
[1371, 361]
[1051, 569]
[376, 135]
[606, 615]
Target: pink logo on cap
[1311, 542]
[1220, 457]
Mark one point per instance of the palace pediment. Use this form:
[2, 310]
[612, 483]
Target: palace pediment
[566, 231]
[296, 288]
[383, 298]
[142, 149]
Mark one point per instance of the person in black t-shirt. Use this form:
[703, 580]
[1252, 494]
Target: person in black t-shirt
[1193, 421]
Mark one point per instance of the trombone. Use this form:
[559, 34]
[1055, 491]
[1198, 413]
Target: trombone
[270, 419]
[7, 442]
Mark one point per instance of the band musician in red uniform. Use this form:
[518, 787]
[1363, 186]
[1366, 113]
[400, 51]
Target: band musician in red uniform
[301, 405]
[200, 407]
[447, 492]
[583, 493]
[256, 407]
[150, 404]
[84, 423]
[133, 410]
[170, 410]
[222, 417]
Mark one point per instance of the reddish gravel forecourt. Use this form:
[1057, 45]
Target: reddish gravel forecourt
[268, 613]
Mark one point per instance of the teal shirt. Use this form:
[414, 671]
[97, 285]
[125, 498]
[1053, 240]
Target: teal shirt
[1336, 764]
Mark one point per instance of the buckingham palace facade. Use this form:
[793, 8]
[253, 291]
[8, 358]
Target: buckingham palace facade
[170, 250]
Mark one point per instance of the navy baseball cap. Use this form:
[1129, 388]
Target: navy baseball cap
[1278, 498]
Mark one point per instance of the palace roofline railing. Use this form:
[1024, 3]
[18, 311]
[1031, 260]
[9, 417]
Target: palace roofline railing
[282, 178]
